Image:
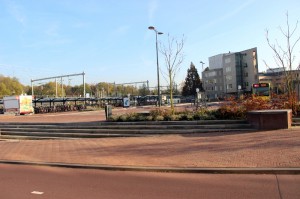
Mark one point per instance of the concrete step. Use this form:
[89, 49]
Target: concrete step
[296, 122]
[93, 129]
[55, 135]
[120, 129]
[149, 123]
[32, 137]
[64, 135]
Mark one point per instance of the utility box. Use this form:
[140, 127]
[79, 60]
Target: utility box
[19, 105]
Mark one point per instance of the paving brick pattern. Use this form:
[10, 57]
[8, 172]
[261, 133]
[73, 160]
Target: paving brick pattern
[259, 149]
[275, 149]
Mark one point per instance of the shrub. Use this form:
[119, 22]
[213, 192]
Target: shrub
[159, 118]
[256, 103]
[122, 118]
[140, 117]
[113, 118]
[227, 112]
[232, 109]
[183, 116]
[286, 102]
[202, 114]
[132, 117]
[156, 112]
[149, 118]
[172, 118]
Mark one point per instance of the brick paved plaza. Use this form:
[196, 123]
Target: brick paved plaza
[275, 149]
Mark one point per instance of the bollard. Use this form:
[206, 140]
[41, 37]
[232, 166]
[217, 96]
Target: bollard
[108, 111]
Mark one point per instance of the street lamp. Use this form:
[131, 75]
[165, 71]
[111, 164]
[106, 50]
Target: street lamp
[225, 88]
[201, 62]
[158, 85]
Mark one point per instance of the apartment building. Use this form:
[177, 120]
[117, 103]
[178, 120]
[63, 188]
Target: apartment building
[230, 73]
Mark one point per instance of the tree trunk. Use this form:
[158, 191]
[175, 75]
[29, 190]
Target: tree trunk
[171, 92]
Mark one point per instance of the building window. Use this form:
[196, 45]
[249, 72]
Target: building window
[211, 81]
[227, 60]
[212, 74]
[245, 74]
[228, 69]
[228, 77]
[246, 84]
[229, 86]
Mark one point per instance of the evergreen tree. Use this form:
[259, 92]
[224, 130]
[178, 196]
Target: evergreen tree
[192, 81]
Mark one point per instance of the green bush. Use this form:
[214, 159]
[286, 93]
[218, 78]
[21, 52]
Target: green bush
[185, 116]
[190, 117]
[113, 118]
[203, 114]
[182, 116]
[159, 118]
[232, 109]
[131, 117]
[171, 117]
[156, 112]
[140, 117]
[229, 113]
[122, 118]
[149, 118]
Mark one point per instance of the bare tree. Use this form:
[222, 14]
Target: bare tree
[284, 55]
[173, 55]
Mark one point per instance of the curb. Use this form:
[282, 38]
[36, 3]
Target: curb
[232, 170]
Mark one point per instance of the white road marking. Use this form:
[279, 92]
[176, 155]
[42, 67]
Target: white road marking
[37, 192]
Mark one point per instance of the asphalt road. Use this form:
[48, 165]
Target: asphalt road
[30, 182]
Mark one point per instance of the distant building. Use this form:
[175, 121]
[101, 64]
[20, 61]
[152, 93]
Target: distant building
[275, 70]
[276, 77]
[230, 73]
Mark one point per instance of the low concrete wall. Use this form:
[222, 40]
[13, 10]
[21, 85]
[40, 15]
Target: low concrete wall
[270, 119]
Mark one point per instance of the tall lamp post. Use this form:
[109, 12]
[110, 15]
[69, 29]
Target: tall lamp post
[158, 85]
[201, 62]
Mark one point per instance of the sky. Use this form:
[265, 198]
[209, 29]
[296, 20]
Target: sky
[109, 40]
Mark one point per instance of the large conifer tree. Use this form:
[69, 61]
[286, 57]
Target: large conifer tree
[192, 81]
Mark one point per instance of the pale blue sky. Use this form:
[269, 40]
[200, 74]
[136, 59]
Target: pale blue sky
[110, 40]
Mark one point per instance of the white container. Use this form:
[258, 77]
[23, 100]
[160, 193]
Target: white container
[21, 104]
